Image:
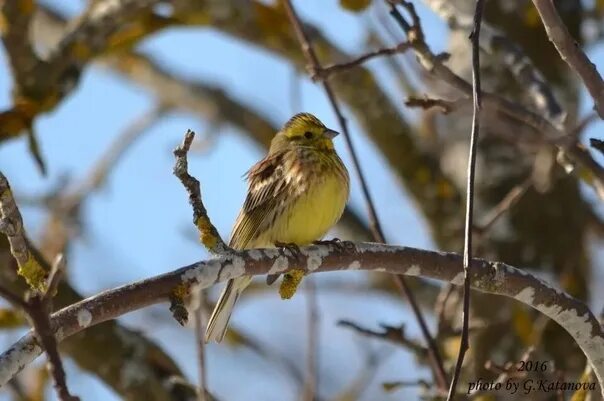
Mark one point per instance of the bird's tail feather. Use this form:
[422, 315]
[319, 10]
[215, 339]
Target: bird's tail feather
[219, 320]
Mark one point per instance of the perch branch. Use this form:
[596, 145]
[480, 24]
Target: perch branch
[492, 277]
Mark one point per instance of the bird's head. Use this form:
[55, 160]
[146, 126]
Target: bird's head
[305, 130]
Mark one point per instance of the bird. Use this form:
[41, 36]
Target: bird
[296, 193]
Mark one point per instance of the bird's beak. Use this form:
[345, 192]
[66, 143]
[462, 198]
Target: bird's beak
[329, 133]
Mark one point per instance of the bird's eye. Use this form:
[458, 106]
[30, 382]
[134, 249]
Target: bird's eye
[308, 135]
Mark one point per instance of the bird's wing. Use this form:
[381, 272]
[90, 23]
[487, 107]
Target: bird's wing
[268, 186]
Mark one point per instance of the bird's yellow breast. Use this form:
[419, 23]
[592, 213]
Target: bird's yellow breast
[315, 211]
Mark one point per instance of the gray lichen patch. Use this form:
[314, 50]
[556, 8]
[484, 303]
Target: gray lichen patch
[280, 265]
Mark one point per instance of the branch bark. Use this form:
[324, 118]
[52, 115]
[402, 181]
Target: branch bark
[486, 276]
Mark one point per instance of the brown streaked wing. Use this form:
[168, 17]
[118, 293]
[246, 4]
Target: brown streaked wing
[264, 201]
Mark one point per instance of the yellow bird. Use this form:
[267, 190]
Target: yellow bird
[295, 195]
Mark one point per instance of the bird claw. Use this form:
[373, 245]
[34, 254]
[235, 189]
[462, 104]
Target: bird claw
[293, 248]
[341, 246]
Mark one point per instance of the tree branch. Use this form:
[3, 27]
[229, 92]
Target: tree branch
[49, 81]
[547, 131]
[395, 335]
[208, 234]
[12, 226]
[467, 247]
[324, 72]
[38, 307]
[491, 277]
[494, 42]
[16, 16]
[571, 52]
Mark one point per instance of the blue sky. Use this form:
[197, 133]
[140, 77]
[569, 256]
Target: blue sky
[137, 225]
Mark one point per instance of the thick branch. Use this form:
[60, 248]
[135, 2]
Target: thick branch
[571, 52]
[491, 277]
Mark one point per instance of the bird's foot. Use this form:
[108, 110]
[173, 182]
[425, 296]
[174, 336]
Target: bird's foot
[340, 245]
[290, 246]
[293, 249]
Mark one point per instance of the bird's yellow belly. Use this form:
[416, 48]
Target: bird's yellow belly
[313, 214]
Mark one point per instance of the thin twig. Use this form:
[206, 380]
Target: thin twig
[508, 201]
[583, 124]
[440, 307]
[315, 67]
[363, 379]
[435, 359]
[571, 52]
[38, 307]
[200, 328]
[34, 148]
[467, 254]
[374, 224]
[395, 335]
[597, 144]
[324, 72]
[209, 235]
[39, 310]
[54, 277]
[395, 385]
[310, 384]
[426, 103]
